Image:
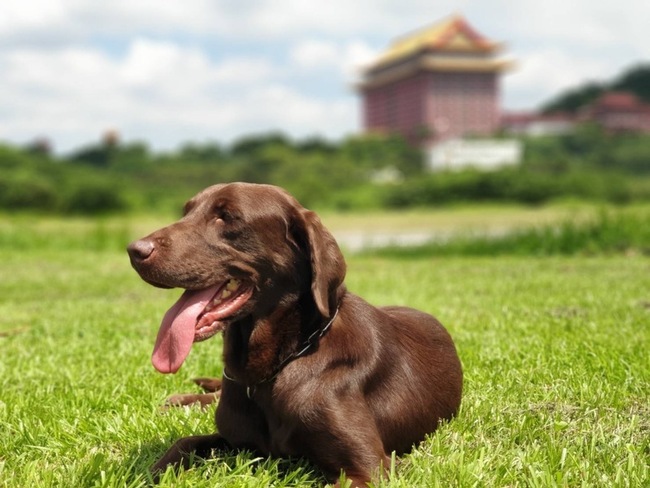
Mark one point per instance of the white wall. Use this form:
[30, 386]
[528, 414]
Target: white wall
[477, 153]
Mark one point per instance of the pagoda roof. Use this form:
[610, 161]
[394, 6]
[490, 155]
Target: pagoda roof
[618, 100]
[450, 35]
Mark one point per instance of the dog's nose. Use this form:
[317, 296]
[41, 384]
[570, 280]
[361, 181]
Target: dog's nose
[141, 249]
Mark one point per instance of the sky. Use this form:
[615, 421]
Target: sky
[169, 72]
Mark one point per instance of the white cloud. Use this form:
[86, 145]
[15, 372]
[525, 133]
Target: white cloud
[303, 115]
[72, 20]
[172, 71]
[16, 15]
[160, 91]
[358, 55]
[318, 56]
[542, 74]
[241, 20]
[315, 54]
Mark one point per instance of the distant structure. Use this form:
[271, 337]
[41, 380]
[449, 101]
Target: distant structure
[615, 112]
[111, 138]
[436, 85]
[618, 112]
[536, 124]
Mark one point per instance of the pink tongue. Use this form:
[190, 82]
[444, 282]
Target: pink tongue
[176, 334]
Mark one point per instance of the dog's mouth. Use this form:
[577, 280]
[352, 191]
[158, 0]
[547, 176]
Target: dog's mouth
[196, 316]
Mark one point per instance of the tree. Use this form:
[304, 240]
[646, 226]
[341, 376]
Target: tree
[634, 80]
[574, 99]
[375, 152]
[249, 145]
[204, 153]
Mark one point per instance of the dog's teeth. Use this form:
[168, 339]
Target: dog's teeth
[228, 290]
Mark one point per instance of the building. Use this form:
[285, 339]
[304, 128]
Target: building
[615, 112]
[537, 124]
[618, 112]
[435, 84]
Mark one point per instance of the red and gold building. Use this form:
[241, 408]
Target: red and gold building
[435, 84]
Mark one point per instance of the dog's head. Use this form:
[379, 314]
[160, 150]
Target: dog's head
[239, 250]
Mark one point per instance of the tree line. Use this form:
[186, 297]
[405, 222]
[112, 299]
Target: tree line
[362, 172]
[635, 80]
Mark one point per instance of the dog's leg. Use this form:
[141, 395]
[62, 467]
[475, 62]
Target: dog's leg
[360, 477]
[187, 450]
[210, 385]
[186, 399]
[353, 482]
[354, 445]
[361, 472]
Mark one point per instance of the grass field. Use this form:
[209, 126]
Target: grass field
[555, 353]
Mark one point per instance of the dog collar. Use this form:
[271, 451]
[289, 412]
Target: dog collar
[311, 341]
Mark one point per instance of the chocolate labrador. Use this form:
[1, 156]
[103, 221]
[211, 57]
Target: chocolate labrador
[310, 369]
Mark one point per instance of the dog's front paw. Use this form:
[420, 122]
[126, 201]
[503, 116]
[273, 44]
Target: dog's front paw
[180, 454]
[208, 384]
[186, 451]
[186, 399]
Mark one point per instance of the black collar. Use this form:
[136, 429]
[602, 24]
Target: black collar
[311, 341]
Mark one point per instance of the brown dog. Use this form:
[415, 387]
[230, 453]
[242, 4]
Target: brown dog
[310, 369]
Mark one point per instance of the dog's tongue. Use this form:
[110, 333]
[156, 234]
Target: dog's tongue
[176, 334]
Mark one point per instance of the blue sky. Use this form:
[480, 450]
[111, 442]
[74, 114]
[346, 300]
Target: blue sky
[169, 72]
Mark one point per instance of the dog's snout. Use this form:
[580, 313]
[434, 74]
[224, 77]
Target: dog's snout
[141, 249]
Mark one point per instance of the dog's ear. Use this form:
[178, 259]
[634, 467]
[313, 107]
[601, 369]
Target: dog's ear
[327, 262]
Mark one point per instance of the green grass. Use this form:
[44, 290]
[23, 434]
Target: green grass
[555, 352]
[607, 232]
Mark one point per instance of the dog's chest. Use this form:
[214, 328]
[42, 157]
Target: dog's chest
[285, 433]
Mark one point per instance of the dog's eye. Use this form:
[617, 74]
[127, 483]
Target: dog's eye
[220, 214]
[223, 212]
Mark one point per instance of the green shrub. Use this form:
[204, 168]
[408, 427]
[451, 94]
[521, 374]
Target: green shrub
[27, 191]
[618, 232]
[93, 198]
[509, 185]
